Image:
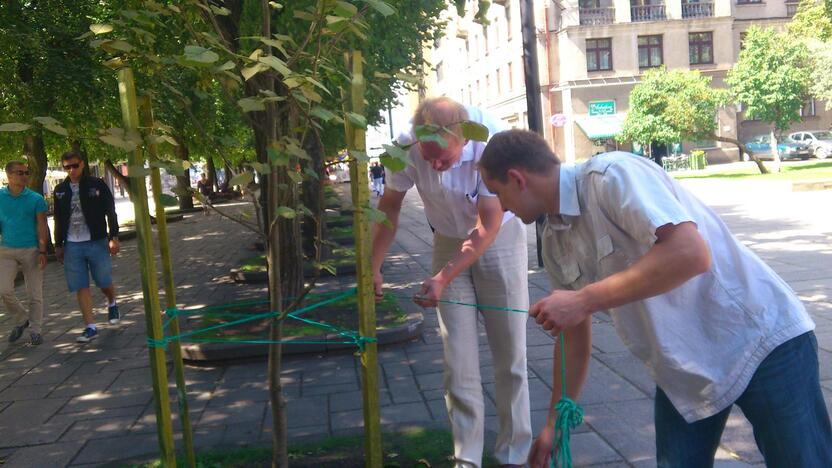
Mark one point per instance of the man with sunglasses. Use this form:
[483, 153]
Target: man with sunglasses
[23, 226]
[480, 256]
[84, 207]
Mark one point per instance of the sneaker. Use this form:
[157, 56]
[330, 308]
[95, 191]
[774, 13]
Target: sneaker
[88, 335]
[113, 315]
[35, 339]
[17, 332]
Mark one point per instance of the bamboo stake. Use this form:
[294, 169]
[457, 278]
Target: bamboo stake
[150, 290]
[356, 144]
[175, 350]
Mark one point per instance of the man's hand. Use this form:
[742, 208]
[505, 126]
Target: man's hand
[59, 254]
[41, 261]
[430, 292]
[561, 310]
[114, 247]
[378, 285]
[542, 448]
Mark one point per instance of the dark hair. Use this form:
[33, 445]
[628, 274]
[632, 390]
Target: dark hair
[11, 164]
[517, 149]
[71, 154]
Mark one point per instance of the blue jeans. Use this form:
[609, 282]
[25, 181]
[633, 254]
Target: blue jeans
[84, 258]
[784, 404]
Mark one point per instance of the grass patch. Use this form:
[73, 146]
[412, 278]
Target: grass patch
[816, 170]
[412, 448]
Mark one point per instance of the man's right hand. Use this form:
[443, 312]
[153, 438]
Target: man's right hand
[378, 285]
[542, 448]
[59, 254]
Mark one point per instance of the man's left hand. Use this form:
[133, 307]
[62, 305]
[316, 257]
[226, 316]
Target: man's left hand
[560, 310]
[430, 293]
[41, 261]
[114, 246]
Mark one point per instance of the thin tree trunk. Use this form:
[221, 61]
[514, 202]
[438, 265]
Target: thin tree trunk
[36, 154]
[122, 180]
[744, 149]
[775, 153]
[183, 182]
[313, 195]
[211, 169]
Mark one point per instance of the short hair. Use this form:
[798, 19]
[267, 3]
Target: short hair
[71, 154]
[12, 164]
[517, 149]
[442, 111]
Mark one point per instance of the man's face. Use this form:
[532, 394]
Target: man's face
[18, 175]
[74, 167]
[514, 195]
[439, 158]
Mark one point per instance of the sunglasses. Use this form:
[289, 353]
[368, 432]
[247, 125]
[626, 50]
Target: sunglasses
[72, 166]
[21, 173]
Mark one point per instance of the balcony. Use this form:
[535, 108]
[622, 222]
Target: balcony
[791, 8]
[593, 16]
[697, 10]
[640, 13]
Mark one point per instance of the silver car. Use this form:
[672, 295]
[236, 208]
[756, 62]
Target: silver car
[819, 140]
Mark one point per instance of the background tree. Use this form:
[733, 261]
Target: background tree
[812, 24]
[677, 105]
[771, 80]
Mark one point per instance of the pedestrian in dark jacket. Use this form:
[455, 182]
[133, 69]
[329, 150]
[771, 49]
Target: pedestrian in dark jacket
[84, 207]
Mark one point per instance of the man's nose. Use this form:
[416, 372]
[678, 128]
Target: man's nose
[436, 164]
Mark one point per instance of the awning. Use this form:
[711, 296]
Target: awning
[601, 127]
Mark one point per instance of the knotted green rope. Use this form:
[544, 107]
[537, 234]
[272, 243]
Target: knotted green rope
[570, 416]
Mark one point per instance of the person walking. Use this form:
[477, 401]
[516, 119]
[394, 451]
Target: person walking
[377, 176]
[24, 231]
[84, 208]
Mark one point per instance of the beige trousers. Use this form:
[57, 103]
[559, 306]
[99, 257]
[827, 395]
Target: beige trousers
[27, 259]
[498, 278]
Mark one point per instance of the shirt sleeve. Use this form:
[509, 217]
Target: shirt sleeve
[639, 197]
[40, 204]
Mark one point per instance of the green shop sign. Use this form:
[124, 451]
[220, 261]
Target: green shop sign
[601, 107]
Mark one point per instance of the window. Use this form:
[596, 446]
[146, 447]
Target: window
[507, 9]
[510, 77]
[808, 109]
[487, 86]
[598, 54]
[499, 81]
[649, 51]
[485, 34]
[440, 73]
[470, 96]
[701, 47]
[748, 2]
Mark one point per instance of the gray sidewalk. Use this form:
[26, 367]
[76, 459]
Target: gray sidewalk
[64, 404]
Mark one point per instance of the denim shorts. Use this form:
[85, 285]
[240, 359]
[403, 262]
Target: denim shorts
[84, 258]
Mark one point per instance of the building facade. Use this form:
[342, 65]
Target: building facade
[591, 53]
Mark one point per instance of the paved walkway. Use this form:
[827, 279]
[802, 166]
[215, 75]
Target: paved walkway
[62, 404]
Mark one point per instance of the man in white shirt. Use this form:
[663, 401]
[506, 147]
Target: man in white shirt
[713, 323]
[479, 256]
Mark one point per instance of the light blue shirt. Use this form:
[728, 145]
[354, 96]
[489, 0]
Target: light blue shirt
[18, 218]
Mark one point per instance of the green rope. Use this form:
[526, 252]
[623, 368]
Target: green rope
[570, 416]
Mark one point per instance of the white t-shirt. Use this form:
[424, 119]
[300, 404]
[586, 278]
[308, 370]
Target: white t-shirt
[702, 341]
[78, 230]
[450, 197]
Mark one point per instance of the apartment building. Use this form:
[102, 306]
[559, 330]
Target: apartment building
[591, 53]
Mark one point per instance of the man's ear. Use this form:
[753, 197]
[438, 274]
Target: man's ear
[517, 177]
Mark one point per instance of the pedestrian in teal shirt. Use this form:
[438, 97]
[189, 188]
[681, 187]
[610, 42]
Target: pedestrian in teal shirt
[23, 245]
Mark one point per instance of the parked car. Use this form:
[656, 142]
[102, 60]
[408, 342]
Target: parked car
[761, 146]
[819, 140]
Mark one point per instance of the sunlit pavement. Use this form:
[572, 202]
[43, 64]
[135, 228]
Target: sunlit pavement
[65, 404]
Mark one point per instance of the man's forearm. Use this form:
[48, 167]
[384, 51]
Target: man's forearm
[43, 232]
[477, 242]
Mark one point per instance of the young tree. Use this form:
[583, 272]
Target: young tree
[771, 79]
[812, 24]
[673, 106]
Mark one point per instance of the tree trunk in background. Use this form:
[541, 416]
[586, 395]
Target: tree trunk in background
[211, 170]
[228, 175]
[745, 150]
[76, 146]
[183, 182]
[122, 180]
[312, 193]
[36, 154]
[775, 154]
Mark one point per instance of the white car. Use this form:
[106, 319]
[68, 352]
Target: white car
[819, 140]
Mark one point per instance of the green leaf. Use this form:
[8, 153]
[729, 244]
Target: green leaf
[322, 113]
[252, 104]
[57, 129]
[229, 65]
[332, 19]
[168, 200]
[395, 151]
[248, 72]
[200, 55]
[347, 10]
[222, 11]
[242, 179]
[394, 164]
[474, 131]
[277, 64]
[357, 119]
[375, 216]
[261, 168]
[296, 177]
[101, 28]
[382, 7]
[285, 212]
[439, 139]
[14, 127]
[119, 45]
[118, 142]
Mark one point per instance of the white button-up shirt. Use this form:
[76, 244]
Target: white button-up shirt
[702, 341]
[450, 197]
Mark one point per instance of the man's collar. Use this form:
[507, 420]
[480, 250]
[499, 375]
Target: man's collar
[467, 154]
[568, 193]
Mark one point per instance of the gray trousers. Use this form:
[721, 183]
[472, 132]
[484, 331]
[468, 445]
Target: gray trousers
[27, 259]
[498, 278]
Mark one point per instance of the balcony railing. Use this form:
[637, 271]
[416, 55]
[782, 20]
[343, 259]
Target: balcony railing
[697, 10]
[791, 8]
[646, 13]
[602, 15]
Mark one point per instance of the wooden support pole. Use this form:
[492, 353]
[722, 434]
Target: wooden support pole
[150, 289]
[356, 145]
[146, 111]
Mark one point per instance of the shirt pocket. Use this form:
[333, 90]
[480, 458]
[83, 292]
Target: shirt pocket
[564, 269]
[611, 257]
